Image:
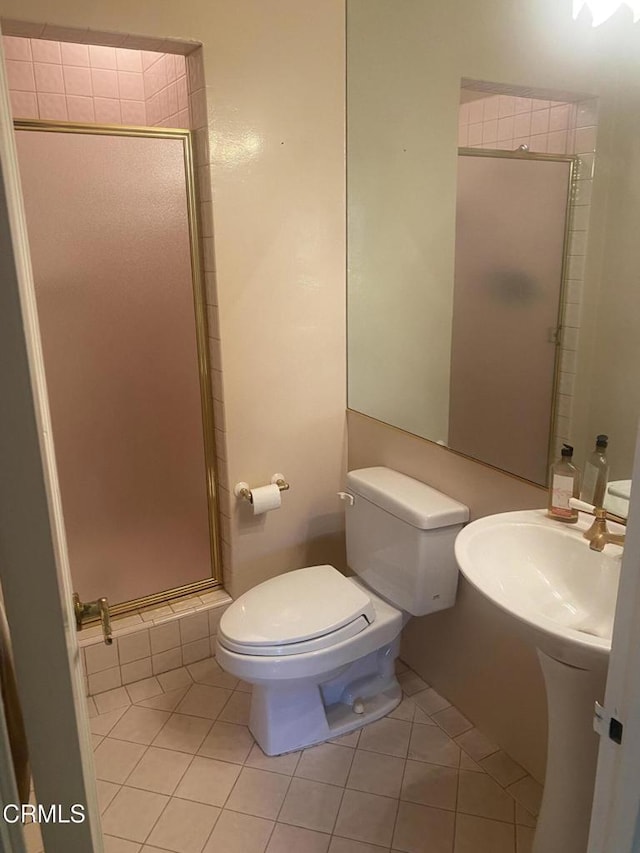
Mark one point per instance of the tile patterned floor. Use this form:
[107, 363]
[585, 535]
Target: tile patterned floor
[179, 771]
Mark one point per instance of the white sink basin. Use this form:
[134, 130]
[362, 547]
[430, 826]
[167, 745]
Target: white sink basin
[544, 574]
[562, 597]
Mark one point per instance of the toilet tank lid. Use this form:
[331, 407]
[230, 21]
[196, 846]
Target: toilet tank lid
[406, 498]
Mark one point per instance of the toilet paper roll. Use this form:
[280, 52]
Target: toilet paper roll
[266, 498]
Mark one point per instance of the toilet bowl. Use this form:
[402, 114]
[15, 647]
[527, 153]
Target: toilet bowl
[328, 676]
[318, 647]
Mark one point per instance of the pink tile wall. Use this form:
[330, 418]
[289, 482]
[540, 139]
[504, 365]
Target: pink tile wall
[165, 89]
[64, 81]
[75, 82]
[506, 122]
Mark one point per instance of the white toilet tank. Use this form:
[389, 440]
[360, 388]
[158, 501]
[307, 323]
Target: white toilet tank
[400, 536]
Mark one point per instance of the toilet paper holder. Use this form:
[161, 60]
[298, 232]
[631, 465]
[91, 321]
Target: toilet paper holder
[243, 491]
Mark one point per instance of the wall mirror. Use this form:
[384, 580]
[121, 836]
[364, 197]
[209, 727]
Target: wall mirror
[113, 239]
[491, 262]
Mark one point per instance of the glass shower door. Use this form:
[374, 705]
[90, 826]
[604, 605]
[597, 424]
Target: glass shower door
[109, 230]
[510, 236]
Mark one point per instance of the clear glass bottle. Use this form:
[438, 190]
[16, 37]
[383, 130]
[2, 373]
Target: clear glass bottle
[596, 473]
[564, 483]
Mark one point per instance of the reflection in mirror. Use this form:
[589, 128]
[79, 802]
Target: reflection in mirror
[511, 225]
[421, 345]
[111, 226]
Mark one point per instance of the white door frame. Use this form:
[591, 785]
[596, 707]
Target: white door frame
[615, 826]
[34, 567]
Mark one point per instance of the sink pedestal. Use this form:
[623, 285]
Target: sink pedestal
[562, 597]
[572, 752]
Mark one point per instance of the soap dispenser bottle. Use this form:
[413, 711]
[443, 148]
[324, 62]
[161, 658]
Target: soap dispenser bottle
[596, 473]
[564, 483]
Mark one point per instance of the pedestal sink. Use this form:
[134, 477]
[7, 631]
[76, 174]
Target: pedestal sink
[562, 598]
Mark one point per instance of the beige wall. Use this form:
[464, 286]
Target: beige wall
[274, 73]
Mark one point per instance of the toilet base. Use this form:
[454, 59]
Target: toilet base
[287, 717]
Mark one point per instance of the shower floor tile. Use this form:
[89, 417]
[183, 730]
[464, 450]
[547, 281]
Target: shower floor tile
[422, 779]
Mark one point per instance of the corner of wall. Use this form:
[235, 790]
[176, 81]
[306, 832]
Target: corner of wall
[469, 653]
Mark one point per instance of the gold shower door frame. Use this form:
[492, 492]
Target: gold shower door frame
[572, 162]
[202, 349]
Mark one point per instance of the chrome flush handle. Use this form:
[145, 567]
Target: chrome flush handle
[345, 496]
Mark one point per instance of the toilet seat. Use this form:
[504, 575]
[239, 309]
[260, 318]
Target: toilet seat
[302, 611]
[282, 669]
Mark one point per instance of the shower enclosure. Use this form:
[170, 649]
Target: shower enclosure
[511, 231]
[114, 245]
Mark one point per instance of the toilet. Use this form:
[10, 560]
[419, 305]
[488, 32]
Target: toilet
[318, 647]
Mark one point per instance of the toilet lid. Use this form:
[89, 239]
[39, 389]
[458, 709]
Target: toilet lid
[294, 608]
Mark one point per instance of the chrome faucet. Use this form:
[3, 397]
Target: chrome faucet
[599, 535]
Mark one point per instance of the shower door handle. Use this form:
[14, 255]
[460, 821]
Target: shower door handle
[100, 607]
[554, 335]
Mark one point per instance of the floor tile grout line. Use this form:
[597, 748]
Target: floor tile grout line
[454, 738]
[220, 813]
[153, 742]
[184, 772]
[505, 788]
[122, 838]
[123, 785]
[157, 676]
[155, 823]
[146, 746]
[404, 772]
[170, 798]
[245, 765]
[344, 789]
[275, 820]
[278, 823]
[455, 816]
[204, 737]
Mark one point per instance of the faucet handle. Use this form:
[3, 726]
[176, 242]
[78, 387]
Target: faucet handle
[598, 535]
[105, 620]
[100, 608]
[583, 506]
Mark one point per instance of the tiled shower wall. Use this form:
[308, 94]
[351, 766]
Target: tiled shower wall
[507, 121]
[201, 132]
[165, 88]
[65, 81]
[504, 122]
